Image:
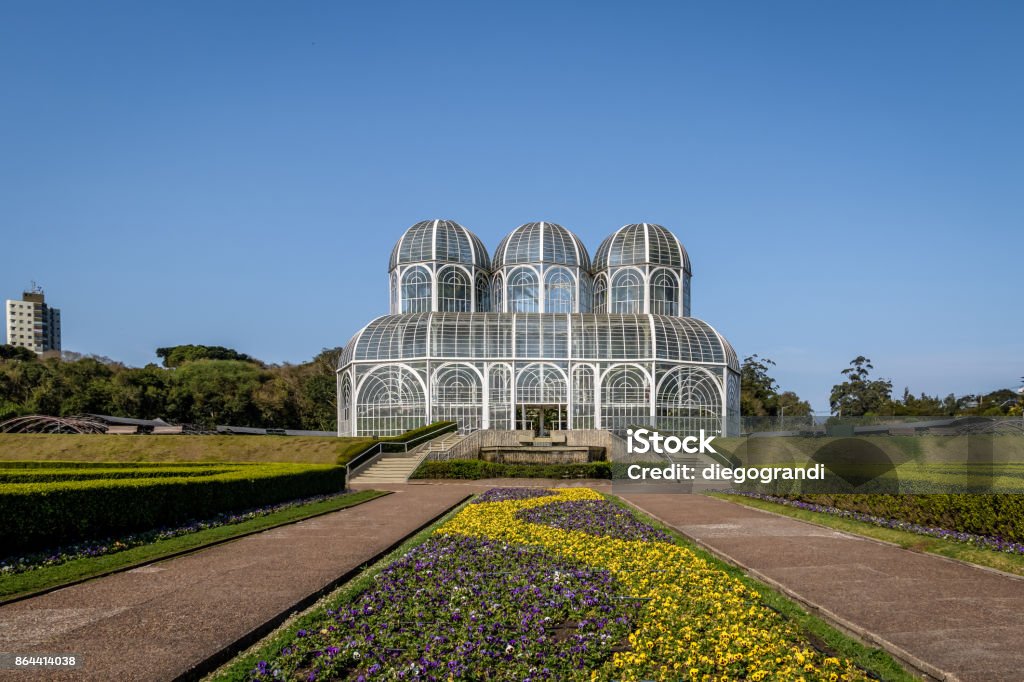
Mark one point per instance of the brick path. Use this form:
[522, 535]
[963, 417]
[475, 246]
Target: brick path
[162, 620]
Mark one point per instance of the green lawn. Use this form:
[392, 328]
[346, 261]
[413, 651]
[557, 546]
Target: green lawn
[1011, 563]
[174, 448]
[182, 448]
[76, 570]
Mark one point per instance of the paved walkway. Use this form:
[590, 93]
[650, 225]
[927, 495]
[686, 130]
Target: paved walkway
[951, 620]
[162, 620]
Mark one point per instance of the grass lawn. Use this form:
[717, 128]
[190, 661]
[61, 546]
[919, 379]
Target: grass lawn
[174, 448]
[76, 570]
[1010, 563]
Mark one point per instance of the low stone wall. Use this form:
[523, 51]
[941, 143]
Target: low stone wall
[614, 447]
[542, 455]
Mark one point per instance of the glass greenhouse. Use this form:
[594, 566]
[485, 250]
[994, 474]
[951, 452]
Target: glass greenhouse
[538, 330]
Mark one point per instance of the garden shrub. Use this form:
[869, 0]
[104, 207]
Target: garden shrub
[475, 469]
[40, 514]
[999, 515]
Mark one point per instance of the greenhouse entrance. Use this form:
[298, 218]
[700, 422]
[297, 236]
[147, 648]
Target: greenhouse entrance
[542, 419]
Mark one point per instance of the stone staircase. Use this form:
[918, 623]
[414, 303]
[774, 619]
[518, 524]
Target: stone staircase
[397, 467]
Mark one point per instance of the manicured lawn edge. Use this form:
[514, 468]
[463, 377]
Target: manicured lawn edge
[236, 661]
[43, 580]
[1010, 564]
[845, 639]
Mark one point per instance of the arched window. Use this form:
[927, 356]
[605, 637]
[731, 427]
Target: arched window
[625, 398]
[483, 295]
[664, 293]
[498, 291]
[390, 401]
[500, 397]
[416, 293]
[522, 291]
[453, 291]
[586, 304]
[346, 406]
[394, 293]
[689, 399]
[601, 294]
[560, 291]
[541, 383]
[583, 397]
[627, 292]
[686, 296]
[458, 397]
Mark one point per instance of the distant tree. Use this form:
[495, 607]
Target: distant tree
[319, 395]
[175, 356]
[757, 388]
[212, 392]
[860, 395]
[10, 352]
[237, 390]
[759, 393]
[789, 405]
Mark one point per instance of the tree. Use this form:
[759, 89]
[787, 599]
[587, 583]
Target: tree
[759, 393]
[860, 395]
[757, 388]
[11, 352]
[175, 356]
[212, 392]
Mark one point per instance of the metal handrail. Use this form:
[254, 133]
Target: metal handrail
[370, 455]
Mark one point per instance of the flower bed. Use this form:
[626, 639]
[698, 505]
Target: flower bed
[523, 588]
[996, 544]
[594, 517]
[508, 494]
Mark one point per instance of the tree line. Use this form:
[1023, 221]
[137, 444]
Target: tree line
[201, 385]
[211, 385]
[860, 394]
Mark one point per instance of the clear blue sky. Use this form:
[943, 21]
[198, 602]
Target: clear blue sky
[847, 177]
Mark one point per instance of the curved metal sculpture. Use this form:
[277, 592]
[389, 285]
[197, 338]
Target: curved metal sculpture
[39, 423]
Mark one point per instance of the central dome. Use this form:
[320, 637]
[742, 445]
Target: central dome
[541, 243]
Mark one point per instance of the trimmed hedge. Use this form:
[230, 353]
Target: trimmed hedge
[79, 474]
[475, 469]
[55, 464]
[995, 515]
[37, 515]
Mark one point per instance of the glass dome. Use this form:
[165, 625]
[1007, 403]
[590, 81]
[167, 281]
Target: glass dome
[486, 370]
[642, 244]
[442, 241]
[541, 243]
[594, 338]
